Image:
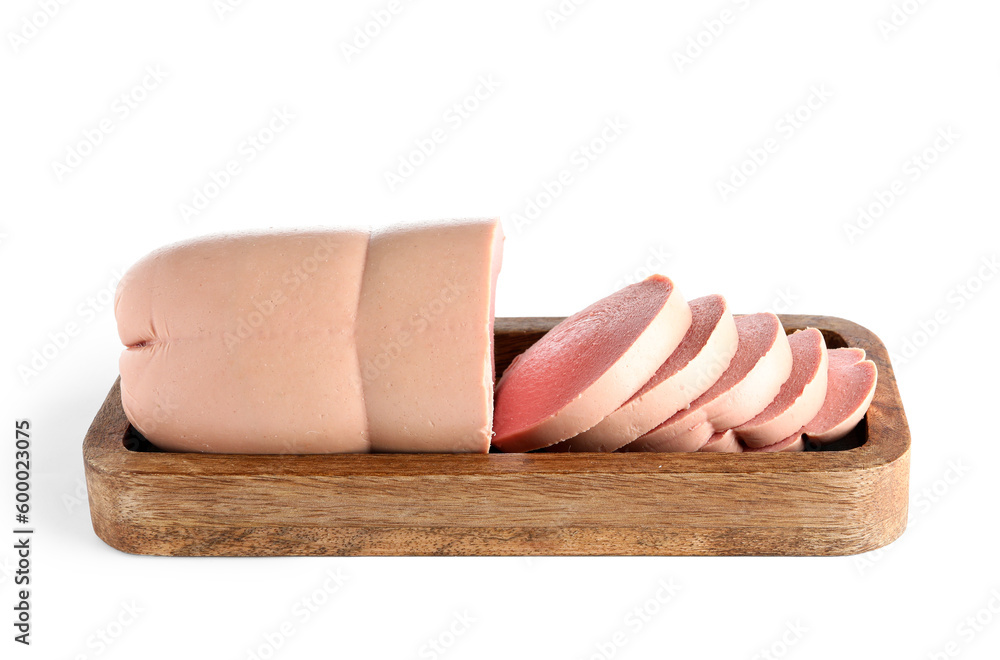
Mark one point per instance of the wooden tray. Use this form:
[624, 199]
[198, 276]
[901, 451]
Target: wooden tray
[846, 501]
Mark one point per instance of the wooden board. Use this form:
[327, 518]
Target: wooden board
[814, 503]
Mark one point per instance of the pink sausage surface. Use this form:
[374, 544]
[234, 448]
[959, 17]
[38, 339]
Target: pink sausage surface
[724, 441]
[791, 443]
[703, 355]
[245, 343]
[314, 341]
[425, 336]
[852, 381]
[587, 366]
[762, 363]
[800, 397]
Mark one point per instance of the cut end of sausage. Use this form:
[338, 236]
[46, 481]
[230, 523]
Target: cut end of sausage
[588, 365]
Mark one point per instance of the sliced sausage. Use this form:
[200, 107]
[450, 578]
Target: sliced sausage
[724, 441]
[588, 365]
[791, 443]
[702, 356]
[800, 398]
[851, 387]
[762, 363]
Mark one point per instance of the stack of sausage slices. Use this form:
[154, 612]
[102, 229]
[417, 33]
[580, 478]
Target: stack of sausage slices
[645, 370]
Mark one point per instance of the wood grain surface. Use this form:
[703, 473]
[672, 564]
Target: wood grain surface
[813, 503]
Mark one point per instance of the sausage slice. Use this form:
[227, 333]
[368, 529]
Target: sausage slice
[587, 366]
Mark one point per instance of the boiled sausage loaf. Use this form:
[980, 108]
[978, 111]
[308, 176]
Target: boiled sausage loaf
[313, 341]
[231, 343]
[425, 336]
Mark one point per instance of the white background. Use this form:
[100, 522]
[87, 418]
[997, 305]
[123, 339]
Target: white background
[778, 242]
